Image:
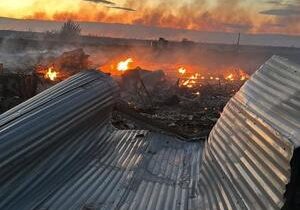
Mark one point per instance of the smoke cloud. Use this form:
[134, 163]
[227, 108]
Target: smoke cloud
[251, 16]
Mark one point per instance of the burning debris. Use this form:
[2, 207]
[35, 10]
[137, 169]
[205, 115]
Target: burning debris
[64, 66]
[124, 65]
[190, 80]
[189, 107]
[182, 70]
[184, 102]
[51, 74]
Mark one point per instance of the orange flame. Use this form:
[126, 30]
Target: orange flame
[124, 65]
[182, 70]
[51, 74]
[191, 81]
[230, 77]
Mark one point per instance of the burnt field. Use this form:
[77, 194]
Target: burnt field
[173, 87]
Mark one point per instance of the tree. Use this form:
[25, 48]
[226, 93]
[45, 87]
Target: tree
[70, 30]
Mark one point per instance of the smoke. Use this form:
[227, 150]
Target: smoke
[194, 59]
[285, 16]
[19, 57]
[221, 15]
[23, 59]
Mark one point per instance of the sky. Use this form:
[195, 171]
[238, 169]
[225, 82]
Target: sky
[246, 16]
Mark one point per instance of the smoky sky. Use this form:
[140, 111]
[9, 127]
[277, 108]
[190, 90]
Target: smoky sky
[282, 9]
[249, 16]
[122, 8]
[282, 12]
[101, 2]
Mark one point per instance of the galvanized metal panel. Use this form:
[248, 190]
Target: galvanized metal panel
[246, 163]
[58, 151]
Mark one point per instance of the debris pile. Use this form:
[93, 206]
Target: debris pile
[187, 104]
[151, 99]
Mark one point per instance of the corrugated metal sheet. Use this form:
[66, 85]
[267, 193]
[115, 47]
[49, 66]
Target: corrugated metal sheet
[58, 151]
[246, 163]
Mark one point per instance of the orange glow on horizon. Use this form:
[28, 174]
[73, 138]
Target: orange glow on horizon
[216, 16]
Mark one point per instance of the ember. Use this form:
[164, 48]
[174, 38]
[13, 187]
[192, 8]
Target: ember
[237, 75]
[51, 74]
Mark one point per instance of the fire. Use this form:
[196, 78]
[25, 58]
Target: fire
[182, 70]
[230, 77]
[51, 74]
[185, 83]
[124, 65]
[236, 74]
[195, 76]
[191, 81]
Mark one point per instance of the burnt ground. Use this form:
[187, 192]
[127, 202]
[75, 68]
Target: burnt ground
[155, 104]
[189, 113]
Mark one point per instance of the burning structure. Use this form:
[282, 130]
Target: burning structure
[76, 160]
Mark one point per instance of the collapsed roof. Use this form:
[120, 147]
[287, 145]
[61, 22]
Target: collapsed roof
[58, 150]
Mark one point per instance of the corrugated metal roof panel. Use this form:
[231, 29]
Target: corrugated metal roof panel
[273, 93]
[58, 151]
[246, 163]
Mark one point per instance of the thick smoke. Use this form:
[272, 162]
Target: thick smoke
[17, 56]
[223, 15]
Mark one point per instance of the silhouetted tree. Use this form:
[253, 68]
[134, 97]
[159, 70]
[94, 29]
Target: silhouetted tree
[70, 30]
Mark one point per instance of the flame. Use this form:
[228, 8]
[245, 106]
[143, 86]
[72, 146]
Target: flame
[230, 77]
[243, 78]
[182, 70]
[51, 74]
[185, 83]
[124, 65]
[191, 81]
[194, 77]
[237, 74]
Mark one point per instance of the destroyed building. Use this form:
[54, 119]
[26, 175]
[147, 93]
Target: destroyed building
[58, 150]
